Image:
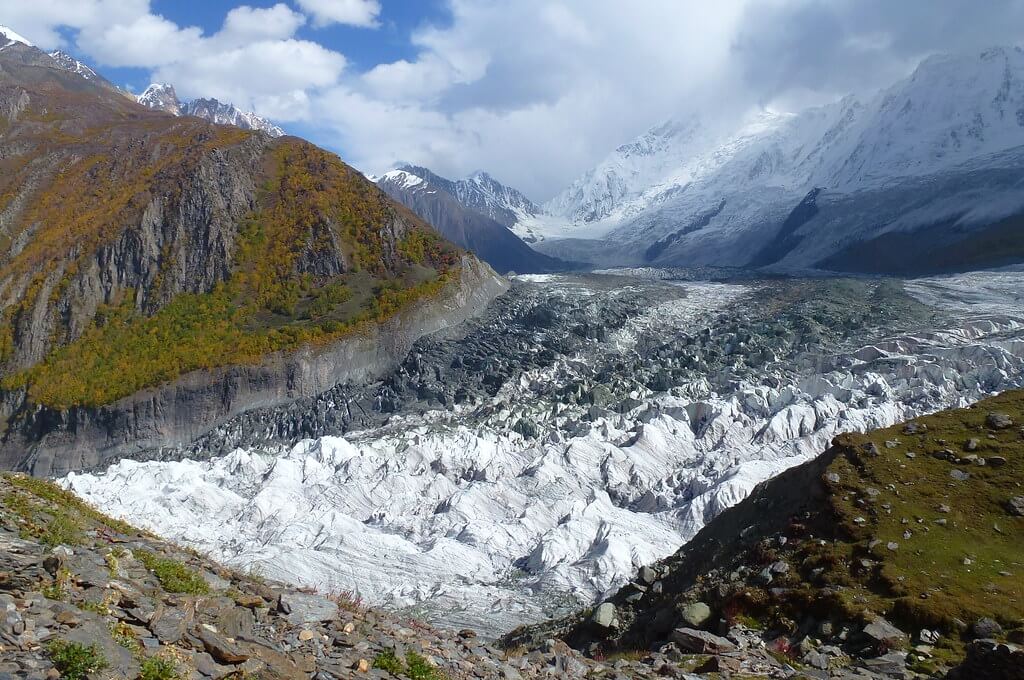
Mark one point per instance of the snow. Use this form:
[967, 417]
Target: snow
[404, 179]
[478, 526]
[69, 63]
[161, 96]
[15, 37]
[952, 110]
[502, 203]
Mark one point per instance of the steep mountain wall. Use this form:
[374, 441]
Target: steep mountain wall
[48, 441]
[161, 274]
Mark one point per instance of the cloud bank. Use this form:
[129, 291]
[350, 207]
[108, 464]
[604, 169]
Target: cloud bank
[534, 91]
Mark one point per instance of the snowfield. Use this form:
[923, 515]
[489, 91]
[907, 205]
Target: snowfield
[466, 521]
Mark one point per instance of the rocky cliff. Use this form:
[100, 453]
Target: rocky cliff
[161, 274]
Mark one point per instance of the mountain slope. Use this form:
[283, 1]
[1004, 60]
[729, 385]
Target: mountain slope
[140, 247]
[162, 97]
[956, 123]
[448, 206]
[488, 196]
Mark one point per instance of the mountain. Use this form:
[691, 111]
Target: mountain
[465, 212]
[9, 37]
[160, 274]
[486, 195]
[936, 160]
[161, 96]
[69, 63]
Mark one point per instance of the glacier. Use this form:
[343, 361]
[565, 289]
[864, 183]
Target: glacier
[458, 516]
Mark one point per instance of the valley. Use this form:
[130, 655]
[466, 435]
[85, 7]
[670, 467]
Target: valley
[293, 389]
[584, 426]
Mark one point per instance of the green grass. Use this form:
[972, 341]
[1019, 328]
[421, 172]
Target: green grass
[940, 576]
[63, 503]
[63, 529]
[174, 576]
[158, 668]
[415, 666]
[75, 661]
[387, 661]
[125, 636]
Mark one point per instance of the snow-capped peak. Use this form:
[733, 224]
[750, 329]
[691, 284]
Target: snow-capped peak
[951, 109]
[161, 96]
[402, 178]
[69, 63]
[10, 36]
[503, 204]
[479, 192]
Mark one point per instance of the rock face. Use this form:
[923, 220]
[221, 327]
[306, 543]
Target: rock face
[166, 208]
[172, 416]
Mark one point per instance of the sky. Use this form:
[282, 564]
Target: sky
[533, 91]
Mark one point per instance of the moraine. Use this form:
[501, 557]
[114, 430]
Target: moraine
[585, 426]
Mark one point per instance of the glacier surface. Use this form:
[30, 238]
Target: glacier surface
[462, 519]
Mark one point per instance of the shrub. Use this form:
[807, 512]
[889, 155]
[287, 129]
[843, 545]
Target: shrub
[387, 661]
[63, 529]
[158, 668]
[417, 668]
[174, 576]
[75, 661]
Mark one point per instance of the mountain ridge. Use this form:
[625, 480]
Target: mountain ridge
[452, 207]
[954, 116]
[162, 97]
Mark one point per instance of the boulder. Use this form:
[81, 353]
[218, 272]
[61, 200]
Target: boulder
[696, 615]
[223, 650]
[892, 664]
[998, 421]
[883, 632]
[986, 629]
[302, 608]
[1016, 506]
[700, 641]
[604, 615]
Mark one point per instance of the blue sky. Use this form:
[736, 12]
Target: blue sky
[536, 92]
[364, 48]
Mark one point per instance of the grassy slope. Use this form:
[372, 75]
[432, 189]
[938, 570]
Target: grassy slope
[111, 161]
[972, 566]
[839, 513]
[939, 576]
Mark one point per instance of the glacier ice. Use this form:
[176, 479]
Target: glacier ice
[469, 523]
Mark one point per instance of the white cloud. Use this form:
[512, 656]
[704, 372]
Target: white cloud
[264, 75]
[535, 91]
[531, 90]
[147, 41]
[249, 23]
[253, 61]
[352, 12]
[38, 20]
